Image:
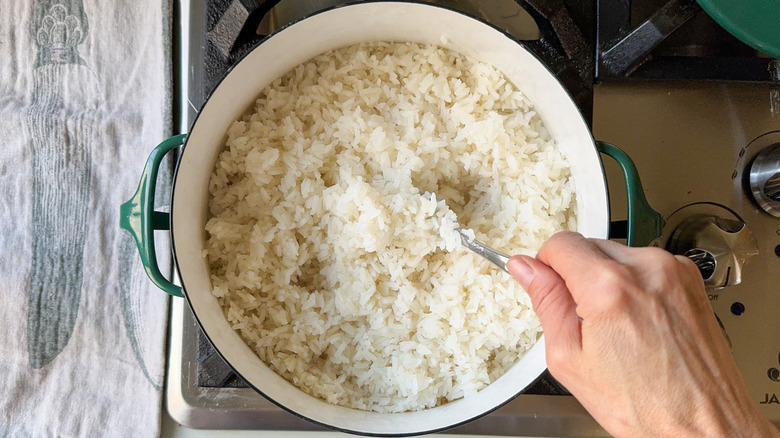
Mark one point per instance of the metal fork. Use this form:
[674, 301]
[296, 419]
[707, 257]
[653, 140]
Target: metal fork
[495, 257]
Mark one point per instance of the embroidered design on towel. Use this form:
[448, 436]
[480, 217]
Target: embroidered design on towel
[61, 177]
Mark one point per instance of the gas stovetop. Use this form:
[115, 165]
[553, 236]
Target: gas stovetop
[693, 112]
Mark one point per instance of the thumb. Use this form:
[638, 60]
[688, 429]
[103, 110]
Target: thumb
[552, 302]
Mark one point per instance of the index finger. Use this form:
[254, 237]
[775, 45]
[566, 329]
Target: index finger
[573, 257]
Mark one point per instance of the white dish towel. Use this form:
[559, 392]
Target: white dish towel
[84, 96]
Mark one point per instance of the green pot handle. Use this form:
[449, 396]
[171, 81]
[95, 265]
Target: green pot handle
[139, 218]
[644, 224]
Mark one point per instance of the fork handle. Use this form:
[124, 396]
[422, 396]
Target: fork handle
[497, 258]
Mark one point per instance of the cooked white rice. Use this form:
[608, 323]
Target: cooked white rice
[332, 244]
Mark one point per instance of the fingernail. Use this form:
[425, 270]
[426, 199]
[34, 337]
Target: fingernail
[520, 269]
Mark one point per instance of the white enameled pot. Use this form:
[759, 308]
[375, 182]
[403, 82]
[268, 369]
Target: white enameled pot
[273, 57]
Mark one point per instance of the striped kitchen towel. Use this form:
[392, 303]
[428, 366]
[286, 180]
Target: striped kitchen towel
[84, 95]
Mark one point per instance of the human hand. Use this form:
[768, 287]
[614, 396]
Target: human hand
[631, 334]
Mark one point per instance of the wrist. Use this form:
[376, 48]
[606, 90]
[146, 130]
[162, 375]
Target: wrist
[740, 420]
[706, 419]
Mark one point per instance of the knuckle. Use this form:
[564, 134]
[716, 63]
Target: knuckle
[666, 272]
[562, 363]
[557, 359]
[662, 262]
[563, 236]
[612, 274]
[612, 285]
[545, 295]
[687, 266]
[558, 241]
[655, 257]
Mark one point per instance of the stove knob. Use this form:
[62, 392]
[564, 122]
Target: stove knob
[765, 179]
[704, 260]
[718, 246]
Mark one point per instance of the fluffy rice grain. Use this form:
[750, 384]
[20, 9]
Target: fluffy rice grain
[332, 244]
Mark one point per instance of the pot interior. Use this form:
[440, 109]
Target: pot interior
[297, 43]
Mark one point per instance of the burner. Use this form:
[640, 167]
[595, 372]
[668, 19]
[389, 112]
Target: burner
[715, 238]
[672, 40]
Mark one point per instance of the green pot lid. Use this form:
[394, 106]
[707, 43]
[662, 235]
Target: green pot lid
[754, 22]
